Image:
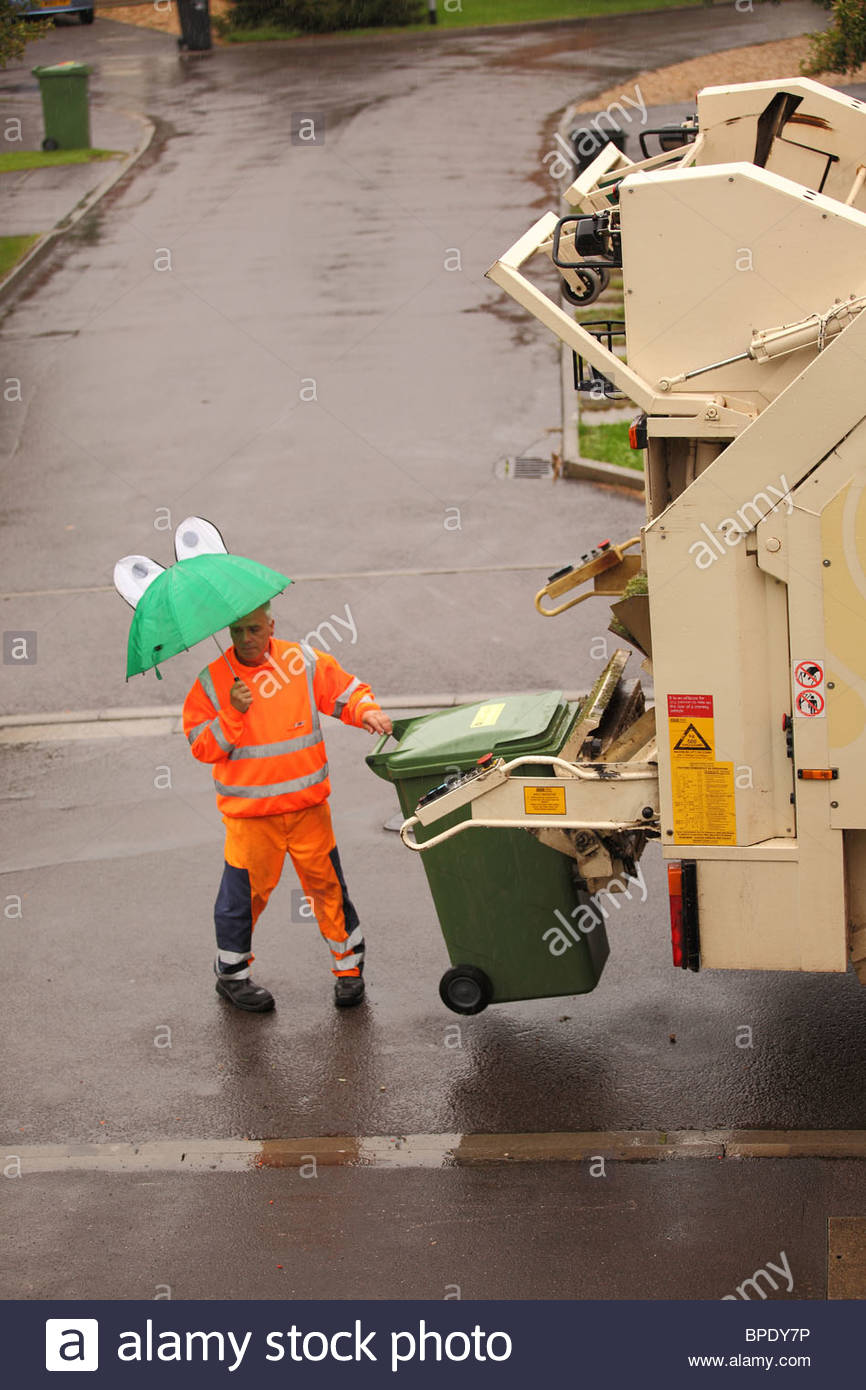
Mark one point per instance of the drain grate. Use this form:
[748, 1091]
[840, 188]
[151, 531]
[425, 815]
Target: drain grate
[525, 468]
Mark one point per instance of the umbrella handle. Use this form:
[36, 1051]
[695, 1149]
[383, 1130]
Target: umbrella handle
[225, 658]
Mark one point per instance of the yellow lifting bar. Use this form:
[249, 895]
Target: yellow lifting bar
[607, 565]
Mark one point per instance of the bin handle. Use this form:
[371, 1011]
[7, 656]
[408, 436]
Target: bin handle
[381, 744]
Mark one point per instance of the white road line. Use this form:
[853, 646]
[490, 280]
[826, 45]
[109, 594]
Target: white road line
[542, 568]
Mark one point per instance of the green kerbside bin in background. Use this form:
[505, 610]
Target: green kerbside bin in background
[65, 105]
[496, 891]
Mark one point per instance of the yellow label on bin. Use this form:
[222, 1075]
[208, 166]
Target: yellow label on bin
[544, 801]
[487, 715]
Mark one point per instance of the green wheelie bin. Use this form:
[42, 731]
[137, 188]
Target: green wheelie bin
[65, 105]
[497, 892]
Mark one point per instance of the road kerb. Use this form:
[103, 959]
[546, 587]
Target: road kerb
[48, 239]
[434, 1150]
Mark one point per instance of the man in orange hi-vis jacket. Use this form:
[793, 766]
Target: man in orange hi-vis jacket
[263, 735]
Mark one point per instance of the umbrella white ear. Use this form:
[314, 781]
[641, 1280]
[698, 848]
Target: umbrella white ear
[133, 574]
[195, 536]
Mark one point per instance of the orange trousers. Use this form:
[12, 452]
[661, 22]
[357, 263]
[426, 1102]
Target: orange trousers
[255, 850]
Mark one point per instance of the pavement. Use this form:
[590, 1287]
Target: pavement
[442, 1145]
[47, 202]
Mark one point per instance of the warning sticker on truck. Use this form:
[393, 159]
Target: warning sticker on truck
[702, 789]
[809, 698]
[544, 801]
[692, 739]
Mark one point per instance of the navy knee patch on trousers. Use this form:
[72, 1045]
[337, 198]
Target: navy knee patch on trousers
[351, 916]
[233, 912]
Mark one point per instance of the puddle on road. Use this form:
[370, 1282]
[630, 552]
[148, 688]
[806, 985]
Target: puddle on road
[524, 328]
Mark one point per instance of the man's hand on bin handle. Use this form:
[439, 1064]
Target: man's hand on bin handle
[376, 721]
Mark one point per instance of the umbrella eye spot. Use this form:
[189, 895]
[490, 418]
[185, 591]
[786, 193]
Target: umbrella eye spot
[190, 538]
[139, 570]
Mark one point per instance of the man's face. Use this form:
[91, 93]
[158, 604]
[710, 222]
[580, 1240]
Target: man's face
[250, 636]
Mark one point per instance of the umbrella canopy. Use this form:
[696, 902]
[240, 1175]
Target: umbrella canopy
[192, 600]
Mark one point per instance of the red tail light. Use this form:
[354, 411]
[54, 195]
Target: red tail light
[675, 890]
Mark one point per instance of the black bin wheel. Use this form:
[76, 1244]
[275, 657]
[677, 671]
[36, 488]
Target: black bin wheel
[594, 282]
[86, 16]
[465, 989]
[49, 144]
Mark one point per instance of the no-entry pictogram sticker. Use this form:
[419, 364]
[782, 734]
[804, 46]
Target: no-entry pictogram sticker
[808, 688]
[809, 674]
[809, 704]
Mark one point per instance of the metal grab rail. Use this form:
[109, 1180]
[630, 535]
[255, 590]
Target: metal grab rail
[537, 824]
[575, 771]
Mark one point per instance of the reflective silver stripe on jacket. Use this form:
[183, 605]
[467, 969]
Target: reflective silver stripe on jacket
[275, 750]
[310, 661]
[342, 700]
[298, 784]
[207, 685]
[355, 939]
[216, 729]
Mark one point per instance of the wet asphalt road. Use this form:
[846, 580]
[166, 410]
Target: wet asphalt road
[151, 394]
[118, 877]
[179, 390]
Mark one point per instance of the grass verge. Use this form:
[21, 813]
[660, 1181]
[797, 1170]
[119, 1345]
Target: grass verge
[15, 160]
[609, 444]
[533, 11]
[12, 248]
[462, 14]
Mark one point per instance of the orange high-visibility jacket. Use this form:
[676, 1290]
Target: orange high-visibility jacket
[272, 758]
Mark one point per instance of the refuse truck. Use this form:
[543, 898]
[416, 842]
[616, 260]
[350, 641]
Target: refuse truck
[743, 350]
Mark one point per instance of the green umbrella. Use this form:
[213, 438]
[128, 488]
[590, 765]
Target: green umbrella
[192, 600]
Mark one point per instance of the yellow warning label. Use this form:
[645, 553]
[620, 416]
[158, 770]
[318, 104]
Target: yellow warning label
[703, 790]
[692, 740]
[704, 807]
[544, 801]
[487, 715]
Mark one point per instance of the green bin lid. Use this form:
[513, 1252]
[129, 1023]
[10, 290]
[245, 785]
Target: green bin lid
[509, 725]
[68, 69]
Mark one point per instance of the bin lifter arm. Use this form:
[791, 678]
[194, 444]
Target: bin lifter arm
[628, 793]
[507, 274]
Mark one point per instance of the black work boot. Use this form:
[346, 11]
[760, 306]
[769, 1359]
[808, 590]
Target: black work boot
[245, 994]
[348, 991]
